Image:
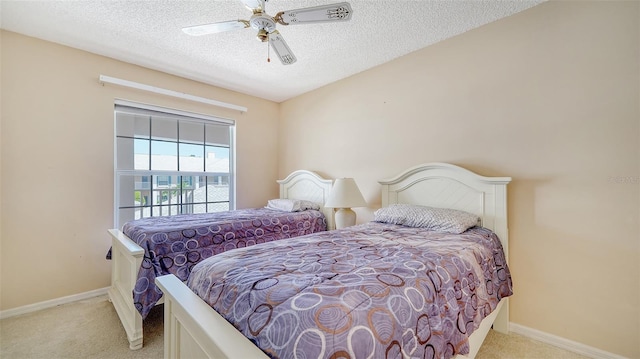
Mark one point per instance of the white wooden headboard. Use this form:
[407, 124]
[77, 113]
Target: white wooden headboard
[445, 185]
[309, 186]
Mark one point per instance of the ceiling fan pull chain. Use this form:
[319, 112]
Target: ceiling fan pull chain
[268, 50]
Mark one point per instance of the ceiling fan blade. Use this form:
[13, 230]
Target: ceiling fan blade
[216, 27]
[281, 48]
[254, 4]
[324, 13]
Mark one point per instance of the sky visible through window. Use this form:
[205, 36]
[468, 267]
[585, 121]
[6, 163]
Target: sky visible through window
[169, 148]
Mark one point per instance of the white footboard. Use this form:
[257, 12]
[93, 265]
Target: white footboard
[126, 258]
[192, 329]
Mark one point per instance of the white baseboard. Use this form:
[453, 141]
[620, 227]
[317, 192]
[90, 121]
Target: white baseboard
[534, 334]
[563, 343]
[52, 303]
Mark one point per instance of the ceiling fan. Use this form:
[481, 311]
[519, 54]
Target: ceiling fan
[266, 25]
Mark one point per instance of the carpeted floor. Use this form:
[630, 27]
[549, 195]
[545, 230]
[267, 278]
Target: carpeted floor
[84, 329]
[91, 329]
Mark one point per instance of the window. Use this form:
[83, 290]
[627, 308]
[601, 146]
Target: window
[171, 162]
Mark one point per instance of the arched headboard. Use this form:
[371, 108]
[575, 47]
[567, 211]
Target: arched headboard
[445, 185]
[309, 186]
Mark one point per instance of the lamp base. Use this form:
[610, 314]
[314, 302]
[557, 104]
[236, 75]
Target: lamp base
[345, 217]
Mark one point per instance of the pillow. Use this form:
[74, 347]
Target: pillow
[291, 205]
[436, 219]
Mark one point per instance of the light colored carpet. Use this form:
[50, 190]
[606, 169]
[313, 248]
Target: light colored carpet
[84, 329]
[91, 329]
[515, 346]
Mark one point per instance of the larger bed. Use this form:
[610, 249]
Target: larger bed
[371, 290]
[147, 248]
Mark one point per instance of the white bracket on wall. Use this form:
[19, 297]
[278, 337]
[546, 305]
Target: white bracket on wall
[158, 90]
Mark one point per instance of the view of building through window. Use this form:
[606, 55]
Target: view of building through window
[171, 163]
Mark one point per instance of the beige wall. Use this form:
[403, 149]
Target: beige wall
[57, 162]
[549, 97]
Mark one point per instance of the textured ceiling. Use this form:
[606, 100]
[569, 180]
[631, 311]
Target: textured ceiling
[148, 33]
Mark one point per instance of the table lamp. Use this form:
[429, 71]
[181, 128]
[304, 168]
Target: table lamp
[344, 195]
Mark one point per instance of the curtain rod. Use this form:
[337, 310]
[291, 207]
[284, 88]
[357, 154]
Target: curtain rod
[158, 90]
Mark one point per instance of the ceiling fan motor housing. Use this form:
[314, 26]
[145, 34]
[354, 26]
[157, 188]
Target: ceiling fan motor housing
[264, 24]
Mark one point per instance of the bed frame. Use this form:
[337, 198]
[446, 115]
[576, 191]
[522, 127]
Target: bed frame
[192, 329]
[126, 255]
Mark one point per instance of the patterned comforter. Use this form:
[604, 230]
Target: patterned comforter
[174, 244]
[369, 291]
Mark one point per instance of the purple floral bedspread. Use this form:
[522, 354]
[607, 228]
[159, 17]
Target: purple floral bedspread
[369, 291]
[174, 244]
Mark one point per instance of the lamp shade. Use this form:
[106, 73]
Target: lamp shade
[345, 194]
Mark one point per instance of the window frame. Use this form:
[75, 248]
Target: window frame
[180, 116]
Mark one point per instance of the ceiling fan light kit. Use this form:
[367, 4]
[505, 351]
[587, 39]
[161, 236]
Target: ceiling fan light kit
[266, 25]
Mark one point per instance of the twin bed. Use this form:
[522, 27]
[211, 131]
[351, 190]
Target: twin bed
[147, 248]
[415, 282]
